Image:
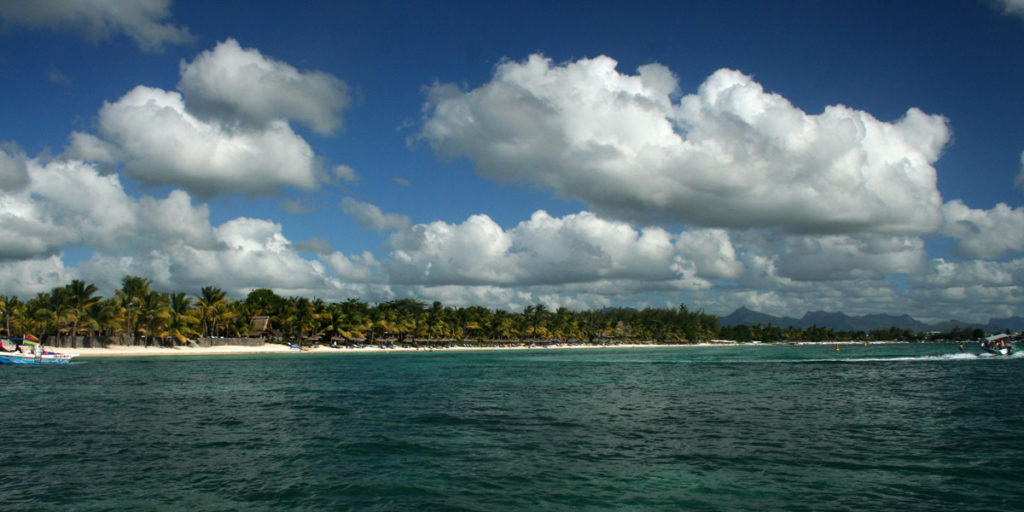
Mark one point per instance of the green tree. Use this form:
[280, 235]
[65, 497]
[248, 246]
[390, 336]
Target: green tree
[210, 305]
[12, 309]
[182, 319]
[80, 298]
[102, 317]
[153, 315]
[536, 317]
[354, 319]
[133, 289]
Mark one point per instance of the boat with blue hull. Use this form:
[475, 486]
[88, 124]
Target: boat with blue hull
[12, 353]
[20, 358]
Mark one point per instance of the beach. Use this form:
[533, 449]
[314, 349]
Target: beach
[274, 348]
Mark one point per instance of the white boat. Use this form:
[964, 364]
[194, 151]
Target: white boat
[44, 358]
[10, 354]
[999, 345]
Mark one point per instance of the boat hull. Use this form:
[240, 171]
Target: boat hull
[18, 358]
[998, 352]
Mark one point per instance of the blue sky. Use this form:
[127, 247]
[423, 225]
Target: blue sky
[784, 156]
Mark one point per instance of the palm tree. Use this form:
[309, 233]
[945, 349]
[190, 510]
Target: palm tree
[565, 325]
[331, 321]
[439, 321]
[355, 319]
[102, 317]
[179, 327]
[133, 289]
[536, 317]
[80, 298]
[40, 318]
[504, 325]
[154, 312]
[305, 316]
[62, 312]
[225, 316]
[10, 307]
[210, 304]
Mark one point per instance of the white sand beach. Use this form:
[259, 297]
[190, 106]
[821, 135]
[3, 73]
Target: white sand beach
[273, 348]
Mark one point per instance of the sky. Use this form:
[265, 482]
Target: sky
[856, 156]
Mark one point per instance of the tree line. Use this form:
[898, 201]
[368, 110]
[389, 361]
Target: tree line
[74, 315]
[774, 334]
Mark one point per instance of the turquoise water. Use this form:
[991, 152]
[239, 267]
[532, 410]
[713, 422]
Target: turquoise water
[894, 427]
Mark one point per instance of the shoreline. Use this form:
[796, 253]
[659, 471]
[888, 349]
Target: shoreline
[274, 348]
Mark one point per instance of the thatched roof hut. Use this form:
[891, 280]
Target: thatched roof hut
[260, 327]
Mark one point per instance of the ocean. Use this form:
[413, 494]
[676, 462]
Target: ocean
[881, 427]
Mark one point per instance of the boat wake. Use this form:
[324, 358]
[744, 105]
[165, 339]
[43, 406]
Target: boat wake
[959, 356]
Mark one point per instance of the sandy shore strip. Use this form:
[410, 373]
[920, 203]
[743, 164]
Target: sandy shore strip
[272, 348]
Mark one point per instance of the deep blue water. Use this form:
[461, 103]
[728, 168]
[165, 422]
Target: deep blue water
[894, 427]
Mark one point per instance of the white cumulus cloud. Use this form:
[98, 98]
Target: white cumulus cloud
[984, 234]
[70, 204]
[846, 257]
[975, 289]
[228, 133]
[13, 170]
[65, 204]
[1014, 7]
[161, 142]
[730, 155]
[145, 21]
[581, 251]
[26, 278]
[370, 217]
[235, 83]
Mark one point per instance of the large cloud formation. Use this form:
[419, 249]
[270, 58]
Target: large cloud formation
[578, 249]
[731, 155]
[579, 260]
[984, 234]
[168, 240]
[787, 211]
[41, 220]
[160, 142]
[141, 20]
[229, 133]
[235, 83]
[13, 171]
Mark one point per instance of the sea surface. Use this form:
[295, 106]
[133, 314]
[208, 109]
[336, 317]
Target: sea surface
[881, 427]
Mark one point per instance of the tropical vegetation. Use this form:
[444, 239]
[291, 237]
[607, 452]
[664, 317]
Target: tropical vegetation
[75, 316]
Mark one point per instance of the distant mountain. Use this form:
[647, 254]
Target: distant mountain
[843, 322]
[744, 316]
[883, 321]
[1013, 323]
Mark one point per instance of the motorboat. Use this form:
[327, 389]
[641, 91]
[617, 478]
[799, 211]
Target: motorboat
[999, 345]
[11, 353]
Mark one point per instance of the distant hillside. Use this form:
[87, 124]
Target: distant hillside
[843, 322]
[744, 316]
[1013, 323]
